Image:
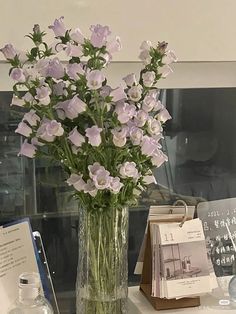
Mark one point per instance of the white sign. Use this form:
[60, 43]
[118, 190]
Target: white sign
[17, 256]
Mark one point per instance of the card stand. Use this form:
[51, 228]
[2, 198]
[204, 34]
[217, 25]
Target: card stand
[146, 277]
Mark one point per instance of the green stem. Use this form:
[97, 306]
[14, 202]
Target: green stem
[104, 260]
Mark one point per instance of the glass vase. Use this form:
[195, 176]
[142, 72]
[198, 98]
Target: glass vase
[102, 279]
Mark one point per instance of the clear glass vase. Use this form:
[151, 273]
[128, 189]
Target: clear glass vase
[102, 279]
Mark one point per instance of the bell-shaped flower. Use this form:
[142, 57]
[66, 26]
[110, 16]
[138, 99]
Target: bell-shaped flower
[153, 126]
[95, 79]
[154, 93]
[114, 45]
[148, 78]
[42, 66]
[130, 79]
[115, 185]
[31, 117]
[73, 50]
[149, 178]
[77, 182]
[36, 142]
[23, 129]
[49, 130]
[128, 170]
[50, 67]
[73, 179]
[105, 91]
[58, 27]
[94, 168]
[73, 70]
[146, 45]
[169, 57]
[75, 107]
[149, 145]
[165, 71]
[119, 136]
[17, 74]
[99, 35]
[136, 135]
[27, 149]
[102, 179]
[158, 106]
[93, 135]
[55, 69]
[28, 97]
[59, 88]
[77, 36]
[145, 52]
[61, 108]
[124, 112]
[163, 115]
[140, 118]
[145, 57]
[54, 128]
[43, 95]
[149, 103]
[9, 51]
[76, 138]
[135, 93]
[118, 94]
[158, 158]
[90, 188]
[70, 108]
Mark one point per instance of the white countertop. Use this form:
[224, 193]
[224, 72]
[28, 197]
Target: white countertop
[138, 304]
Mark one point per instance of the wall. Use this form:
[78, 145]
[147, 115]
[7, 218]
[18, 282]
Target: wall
[196, 29]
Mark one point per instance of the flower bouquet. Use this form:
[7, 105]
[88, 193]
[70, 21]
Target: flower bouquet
[106, 139]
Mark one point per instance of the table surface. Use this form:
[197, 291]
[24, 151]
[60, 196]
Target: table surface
[138, 304]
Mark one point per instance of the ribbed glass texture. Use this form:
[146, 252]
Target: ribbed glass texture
[102, 268]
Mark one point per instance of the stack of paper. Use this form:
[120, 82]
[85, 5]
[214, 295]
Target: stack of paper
[180, 266]
[160, 213]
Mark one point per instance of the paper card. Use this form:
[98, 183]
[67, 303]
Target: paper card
[17, 255]
[191, 231]
[160, 213]
[184, 258]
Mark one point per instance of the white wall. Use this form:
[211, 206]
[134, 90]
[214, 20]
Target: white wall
[196, 29]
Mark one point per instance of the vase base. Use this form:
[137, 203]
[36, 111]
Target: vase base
[85, 306]
[104, 304]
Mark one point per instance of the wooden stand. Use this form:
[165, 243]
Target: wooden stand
[146, 285]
